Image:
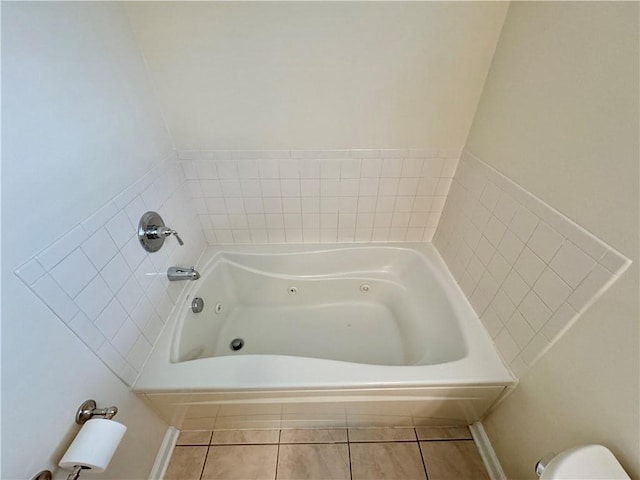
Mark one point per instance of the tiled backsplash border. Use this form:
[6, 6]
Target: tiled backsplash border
[528, 271]
[116, 298]
[312, 196]
[101, 283]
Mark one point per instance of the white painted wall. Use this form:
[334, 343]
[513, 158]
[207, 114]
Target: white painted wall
[318, 75]
[559, 115]
[79, 125]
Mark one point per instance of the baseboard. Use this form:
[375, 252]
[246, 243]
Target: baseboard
[164, 454]
[487, 452]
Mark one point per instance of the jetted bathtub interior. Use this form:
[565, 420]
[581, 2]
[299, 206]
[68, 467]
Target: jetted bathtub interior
[322, 335]
[377, 306]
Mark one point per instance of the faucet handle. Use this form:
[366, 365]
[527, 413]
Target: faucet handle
[175, 234]
[152, 232]
[166, 231]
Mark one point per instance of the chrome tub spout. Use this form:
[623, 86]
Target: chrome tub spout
[182, 273]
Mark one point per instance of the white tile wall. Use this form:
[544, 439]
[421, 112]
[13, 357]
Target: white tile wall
[528, 271]
[319, 195]
[101, 283]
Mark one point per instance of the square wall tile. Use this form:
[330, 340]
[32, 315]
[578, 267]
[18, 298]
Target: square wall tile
[551, 289]
[529, 266]
[520, 330]
[87, 331]
[98, 279]
[100, 249]
[526, 269]
[571, 264]
[62, 247]
[545, 241]
[30, 272]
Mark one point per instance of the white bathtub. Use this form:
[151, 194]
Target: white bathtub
[333, 335]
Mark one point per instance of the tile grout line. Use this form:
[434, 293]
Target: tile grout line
[326, 443]
[348, 442]
[313, 443]
[445, 440]
[275, 477]
[242, 444]
[413, 441]
[571, 233]
[206, 457]
[424, 465]
[349, 453]
[276, 443]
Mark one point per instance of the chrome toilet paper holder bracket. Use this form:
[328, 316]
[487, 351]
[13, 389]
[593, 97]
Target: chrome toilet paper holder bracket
[86, 411]
[89, 409]
[75, 473]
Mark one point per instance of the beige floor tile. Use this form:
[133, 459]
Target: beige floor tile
[239, 437]
[314, 435]
[186, 463]
[381, 434]
[457, 459]
[373, 461]
[194, 438]
[313, 462]
[241, 462]
[443, 433]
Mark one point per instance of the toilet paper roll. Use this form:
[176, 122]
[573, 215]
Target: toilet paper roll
[94, 445]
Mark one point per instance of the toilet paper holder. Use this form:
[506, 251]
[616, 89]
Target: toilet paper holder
[89, 409]
[85, 412]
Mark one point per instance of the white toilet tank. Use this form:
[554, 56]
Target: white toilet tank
[582, 463]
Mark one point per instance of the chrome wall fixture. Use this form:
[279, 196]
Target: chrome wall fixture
[85, 412]
[89, 409]
[75, 473]
[175, 274]
[152, 232]
[197, 305]
[43, 475]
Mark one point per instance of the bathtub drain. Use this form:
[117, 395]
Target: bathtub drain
[236, 344]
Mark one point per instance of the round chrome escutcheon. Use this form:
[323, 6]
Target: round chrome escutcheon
[197, 305]
[236, 344]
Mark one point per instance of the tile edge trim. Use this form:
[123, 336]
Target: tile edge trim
[487, 453]
[152, 172]
[165, 452]
[524, 196]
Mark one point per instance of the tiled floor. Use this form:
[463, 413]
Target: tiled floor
[330, 454]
